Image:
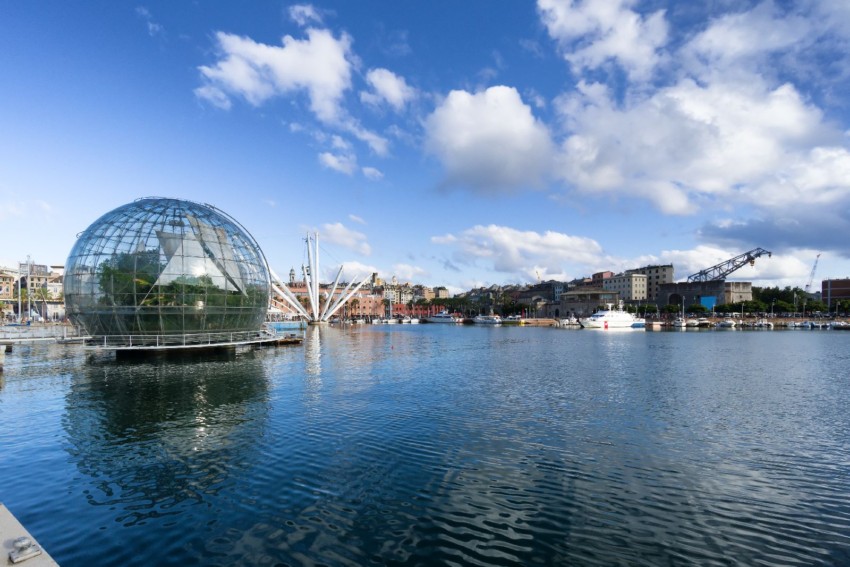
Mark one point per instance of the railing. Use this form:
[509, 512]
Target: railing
[39, 331]
[179, 340]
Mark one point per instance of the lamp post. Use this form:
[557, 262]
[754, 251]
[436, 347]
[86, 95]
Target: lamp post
[19, 292]
[29, 288]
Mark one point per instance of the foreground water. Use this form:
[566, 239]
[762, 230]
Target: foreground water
[439, 445]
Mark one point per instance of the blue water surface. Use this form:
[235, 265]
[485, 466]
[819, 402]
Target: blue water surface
[438, 445]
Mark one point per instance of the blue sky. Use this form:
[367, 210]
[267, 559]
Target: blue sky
[446, 143]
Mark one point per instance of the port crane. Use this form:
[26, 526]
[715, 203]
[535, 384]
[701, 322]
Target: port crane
[723, 269]
[812, 275]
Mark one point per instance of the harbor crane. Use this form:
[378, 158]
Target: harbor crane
[812, 275]
[723, 269]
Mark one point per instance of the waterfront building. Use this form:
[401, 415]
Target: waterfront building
[441, 292]
[834, 290]
[707, 294]
[7, 293]
[656, 276]
[422, 293]
[8, 279]
[599, 278]
[584, 301]
[631, 286]
[548, 290]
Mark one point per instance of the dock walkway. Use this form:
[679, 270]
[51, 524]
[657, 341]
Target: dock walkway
[19, 547]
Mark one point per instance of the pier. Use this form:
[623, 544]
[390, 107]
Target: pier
[19, 547]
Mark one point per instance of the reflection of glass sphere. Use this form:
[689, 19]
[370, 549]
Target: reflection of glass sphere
[166, 266]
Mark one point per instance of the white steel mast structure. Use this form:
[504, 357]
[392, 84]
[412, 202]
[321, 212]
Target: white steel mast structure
[316, 314]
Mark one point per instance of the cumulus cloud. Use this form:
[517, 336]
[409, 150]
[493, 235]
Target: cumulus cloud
[489, 141]
[318, 65]
[340, 235]
[718, 140]
[343, 163]
[592, 33]
[523, 253]
[389, 88]
[735, 42]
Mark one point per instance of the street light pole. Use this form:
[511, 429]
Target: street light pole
[19, 292]
[29, 287]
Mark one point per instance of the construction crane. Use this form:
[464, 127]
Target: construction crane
[723, 269]
[812, 275]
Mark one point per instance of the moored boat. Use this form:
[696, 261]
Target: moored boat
[611, 318]
[442, 317]
[487, 320]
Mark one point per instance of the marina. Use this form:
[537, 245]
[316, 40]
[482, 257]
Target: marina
[466, 444]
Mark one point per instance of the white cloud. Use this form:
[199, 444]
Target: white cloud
[376, 143]
[339, 143]
[214, 96]
[343, 163]
[387, 87]
[523, 253]
[735, 41]
[154, 28]
[355, 218]
[372, 174]
[303, 14]
[358, 270]
[591, 33]
[489, 141]
[716, 140]
[338, 234]
[318, 65]
[408, 273]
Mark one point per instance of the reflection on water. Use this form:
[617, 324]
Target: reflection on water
[440, 445]
[159, 437]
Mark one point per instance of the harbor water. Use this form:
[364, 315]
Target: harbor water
[438, 445]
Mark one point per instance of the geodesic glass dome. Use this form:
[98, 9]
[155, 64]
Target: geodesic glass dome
[163, 267]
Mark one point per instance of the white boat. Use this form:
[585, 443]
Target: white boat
[487, 320]
[391, 321]
[726, 324]
[762, 324]
[613, 319]
[414, 321]
[377, 321]
[442, 317]
[569, 322]
[680, 322]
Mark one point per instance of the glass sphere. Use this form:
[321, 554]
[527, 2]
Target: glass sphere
[163, 267]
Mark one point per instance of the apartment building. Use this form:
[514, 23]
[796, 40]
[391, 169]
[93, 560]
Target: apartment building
[630, 286]
[656, 276]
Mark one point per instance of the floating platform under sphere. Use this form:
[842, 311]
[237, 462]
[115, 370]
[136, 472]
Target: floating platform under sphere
[165, 267]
